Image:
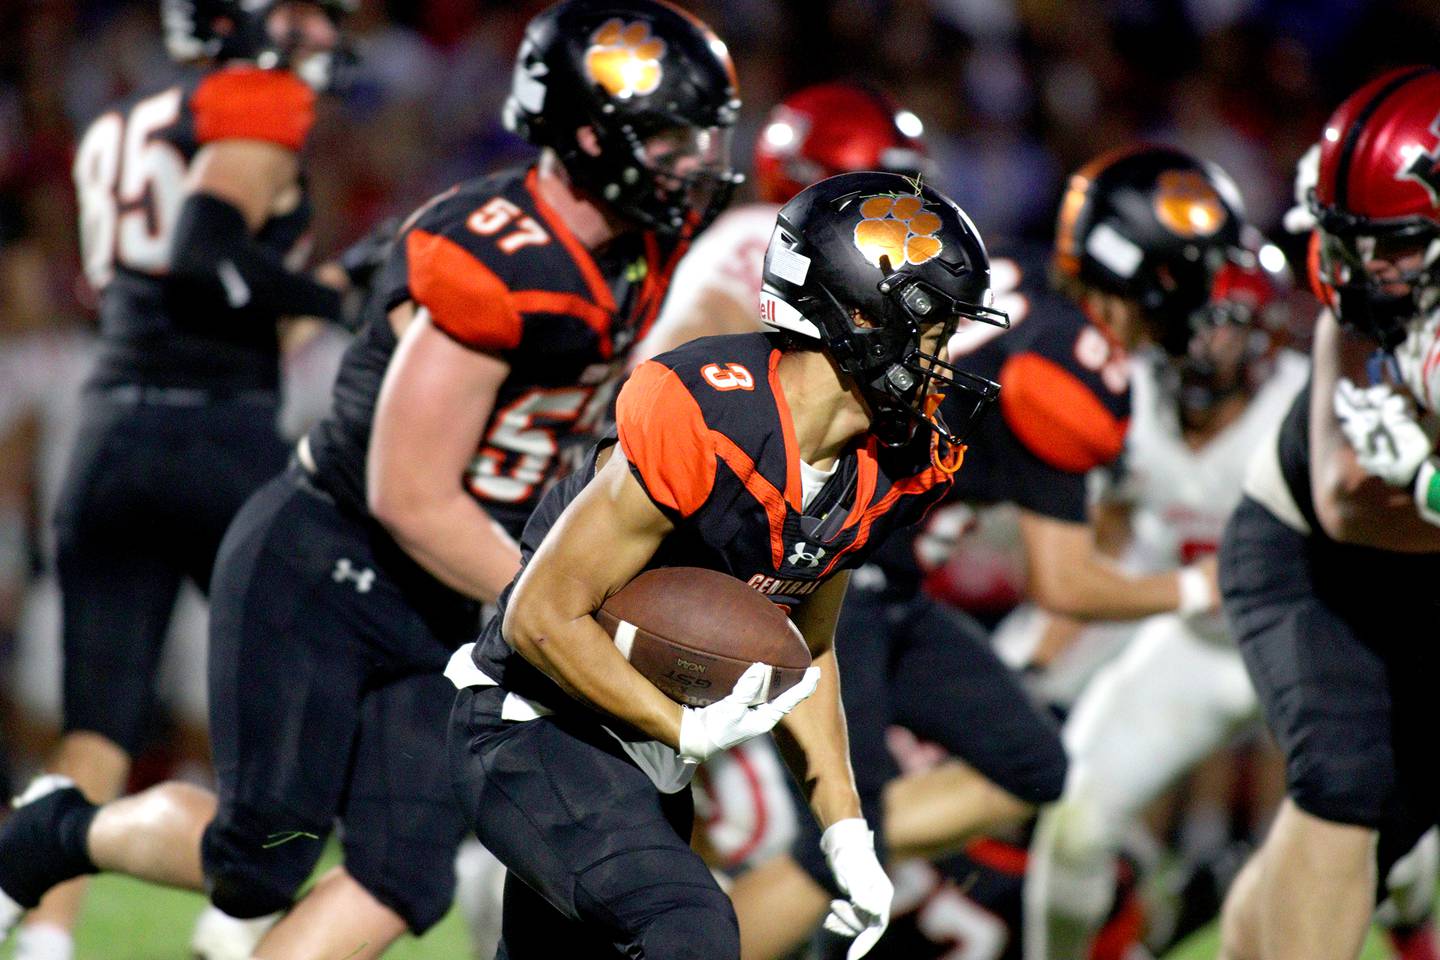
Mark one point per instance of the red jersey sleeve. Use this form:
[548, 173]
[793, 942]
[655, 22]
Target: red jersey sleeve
[247, 103]
[465, 298]
[664, 436]
[1057, 416]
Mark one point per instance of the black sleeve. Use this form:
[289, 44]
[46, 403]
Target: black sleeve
[213, 246]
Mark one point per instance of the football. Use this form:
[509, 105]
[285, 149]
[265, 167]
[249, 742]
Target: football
[692, 632]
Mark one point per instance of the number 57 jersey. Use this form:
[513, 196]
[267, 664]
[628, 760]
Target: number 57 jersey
[493, 267]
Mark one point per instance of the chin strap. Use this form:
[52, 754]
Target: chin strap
[954, 453]
[951, 461]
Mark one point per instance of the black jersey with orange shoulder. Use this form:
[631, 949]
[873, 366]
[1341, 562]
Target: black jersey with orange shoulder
[497, 270]
[130, 170]
[708, 433]
[1063, 410]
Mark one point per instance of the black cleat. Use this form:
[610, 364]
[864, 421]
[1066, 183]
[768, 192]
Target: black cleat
[42, 843]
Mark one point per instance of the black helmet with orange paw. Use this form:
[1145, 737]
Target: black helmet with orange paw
[657, 90]
[879, 269]
[224, 30]
[1153, 225]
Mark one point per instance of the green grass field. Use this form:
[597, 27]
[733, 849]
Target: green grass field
[125, 919]
[129, 920]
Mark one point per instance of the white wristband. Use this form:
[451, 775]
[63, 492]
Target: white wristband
[1427, 491]
[1196, 597]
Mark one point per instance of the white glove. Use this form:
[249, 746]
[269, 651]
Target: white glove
[1377, 422]
[850, 851]
[705, 731]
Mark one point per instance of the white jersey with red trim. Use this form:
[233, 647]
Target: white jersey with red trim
[1181, 496]
[744, 806]
[726, 259]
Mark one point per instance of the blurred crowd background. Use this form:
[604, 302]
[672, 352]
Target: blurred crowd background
[1014, 93]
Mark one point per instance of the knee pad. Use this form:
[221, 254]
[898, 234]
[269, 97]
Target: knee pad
[1046, 780]
[416, 881]
[701, 927]
[251, 871]
[246, 895]
[1342, 791]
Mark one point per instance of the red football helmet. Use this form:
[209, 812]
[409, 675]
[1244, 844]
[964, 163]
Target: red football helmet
[1377, 201]
[1250, 319]
[834, 128]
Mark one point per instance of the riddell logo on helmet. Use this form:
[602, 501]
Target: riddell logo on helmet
[625, 60]
[899, 229]
[1187, 205]
[1424, 167]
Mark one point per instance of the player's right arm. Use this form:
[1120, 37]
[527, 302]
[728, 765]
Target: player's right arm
[437, 397]
[1353, 506]
[251, 125]
[601, 541]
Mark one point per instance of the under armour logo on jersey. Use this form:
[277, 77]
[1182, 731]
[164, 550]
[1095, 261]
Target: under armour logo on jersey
[810, 559]
[345, 570]
[1424, 167]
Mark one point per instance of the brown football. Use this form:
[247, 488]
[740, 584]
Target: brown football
[692, 632]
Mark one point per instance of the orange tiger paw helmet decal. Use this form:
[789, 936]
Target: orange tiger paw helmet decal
[625, 60]
[899, 229]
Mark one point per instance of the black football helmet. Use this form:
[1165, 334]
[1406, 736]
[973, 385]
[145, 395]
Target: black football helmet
[638, 73]
[236, 30]
[1153, 225]
[866, 264]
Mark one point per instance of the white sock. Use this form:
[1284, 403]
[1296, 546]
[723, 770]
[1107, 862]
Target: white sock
[480, 886]
[44, 941]
[10, 914]
[219, 936]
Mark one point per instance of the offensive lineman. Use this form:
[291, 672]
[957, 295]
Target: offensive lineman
[1329, 563]
[780, 460]
[345, 583]
[193, 220]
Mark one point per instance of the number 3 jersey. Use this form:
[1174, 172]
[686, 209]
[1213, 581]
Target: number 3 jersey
[495, 268]
[130, 170]
[708, 433]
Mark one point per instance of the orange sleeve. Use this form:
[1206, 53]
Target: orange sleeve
[1322, 290]
[464, 297]
[247, 103]
[664, 436]
[1056, 416]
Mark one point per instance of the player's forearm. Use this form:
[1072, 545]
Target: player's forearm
[455, 541]
[816, 731]
[213, 245]
[1098, 590]
[579, 655]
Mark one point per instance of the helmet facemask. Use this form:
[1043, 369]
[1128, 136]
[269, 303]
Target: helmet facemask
[1380, 302]
[674, 179]
[900, 379]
